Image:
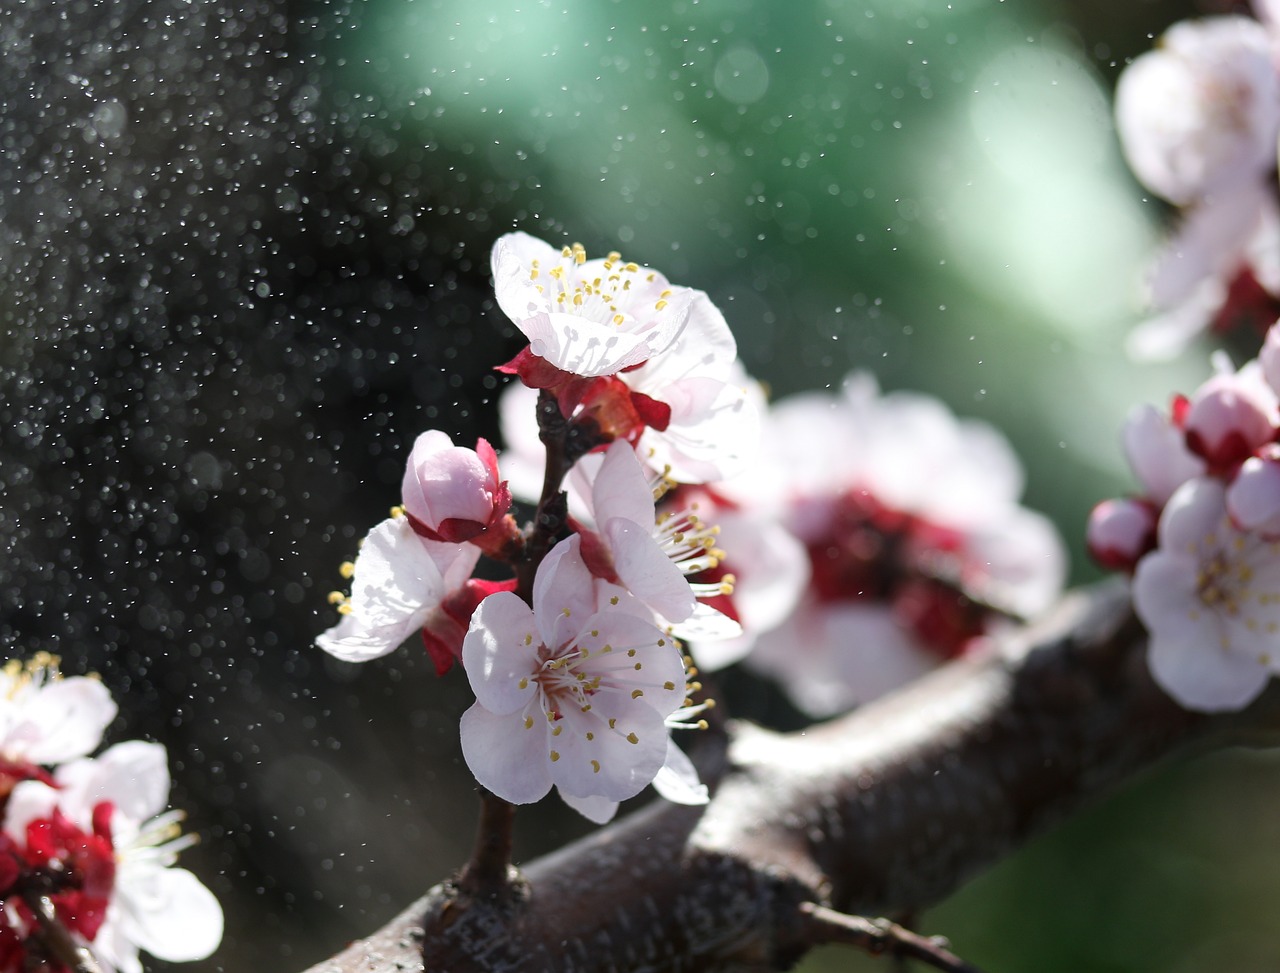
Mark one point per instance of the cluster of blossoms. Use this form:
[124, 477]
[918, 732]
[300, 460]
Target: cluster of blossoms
[1203, 537]
[575, 660]
[1198, 119]
[86, 842]
[841, 544]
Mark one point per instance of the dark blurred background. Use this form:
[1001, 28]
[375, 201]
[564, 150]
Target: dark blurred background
[244, 262]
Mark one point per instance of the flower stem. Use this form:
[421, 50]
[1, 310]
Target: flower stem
[56, 938]
[490, 874]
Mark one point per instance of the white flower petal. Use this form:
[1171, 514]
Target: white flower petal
[678, 781]
[134, 776]
[647, 572]
[499, 653]
[59, 721]
[598, 810]
[508, 759]
[621, 488]
[167, 912]
[1157, 453]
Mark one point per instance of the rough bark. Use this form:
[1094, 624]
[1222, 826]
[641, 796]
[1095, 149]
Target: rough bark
[884, 811]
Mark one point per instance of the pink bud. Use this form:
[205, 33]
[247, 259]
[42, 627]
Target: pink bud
[1228, 419]
[1253, 498]
[451, 493]
[1120, 532]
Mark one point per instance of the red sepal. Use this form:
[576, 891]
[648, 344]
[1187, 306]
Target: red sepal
[447, 625]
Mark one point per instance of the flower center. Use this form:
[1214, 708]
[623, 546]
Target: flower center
[607, 297]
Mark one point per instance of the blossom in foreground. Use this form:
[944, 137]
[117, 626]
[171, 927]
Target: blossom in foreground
[914, 535]
[574, 692]
[104, 818]
[399, 580]
[657, 368]
[1210, 597]
[46, 718]
[590, 317]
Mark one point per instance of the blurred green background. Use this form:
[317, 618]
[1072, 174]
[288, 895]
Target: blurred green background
[228, 315]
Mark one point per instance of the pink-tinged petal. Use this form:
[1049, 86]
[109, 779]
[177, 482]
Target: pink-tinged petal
[1200, 112]
[598, 810]
[642, 662]
[704, 347]
[914, 442]
[613, 751]
[584, 347]
[411, 488]
[29, 801]
[1017, 562]
[832, 658]
[713, 437]
[1158, 454]
[1253, 499]
[167, 912]
[398, 581]
[499, 653]
[444, 484]
[62, 720]
[621, 488]
[1203, 676]
[1164, 336]
[504, 756]
[563, 592]
[1195, 515]
[645, 570]
[134, 776]
[678, 781]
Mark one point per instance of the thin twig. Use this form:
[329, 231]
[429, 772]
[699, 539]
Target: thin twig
[489, 873]
[56, 938]
[878, 937]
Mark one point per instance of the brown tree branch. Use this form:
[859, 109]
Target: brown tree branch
[880, 812]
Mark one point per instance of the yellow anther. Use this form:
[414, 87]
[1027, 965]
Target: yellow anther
[668, 685]
[556, 731]
[660, 305]
[637, 693]
[613, 256]
[524, 682]
[345, 608]
[528, 722]
[613, 723]
[335, 598]
[595, 766]
[632, 738]
[397, 511]
[347, 569]
[590, 735]
[555, 755]
[639, 666]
